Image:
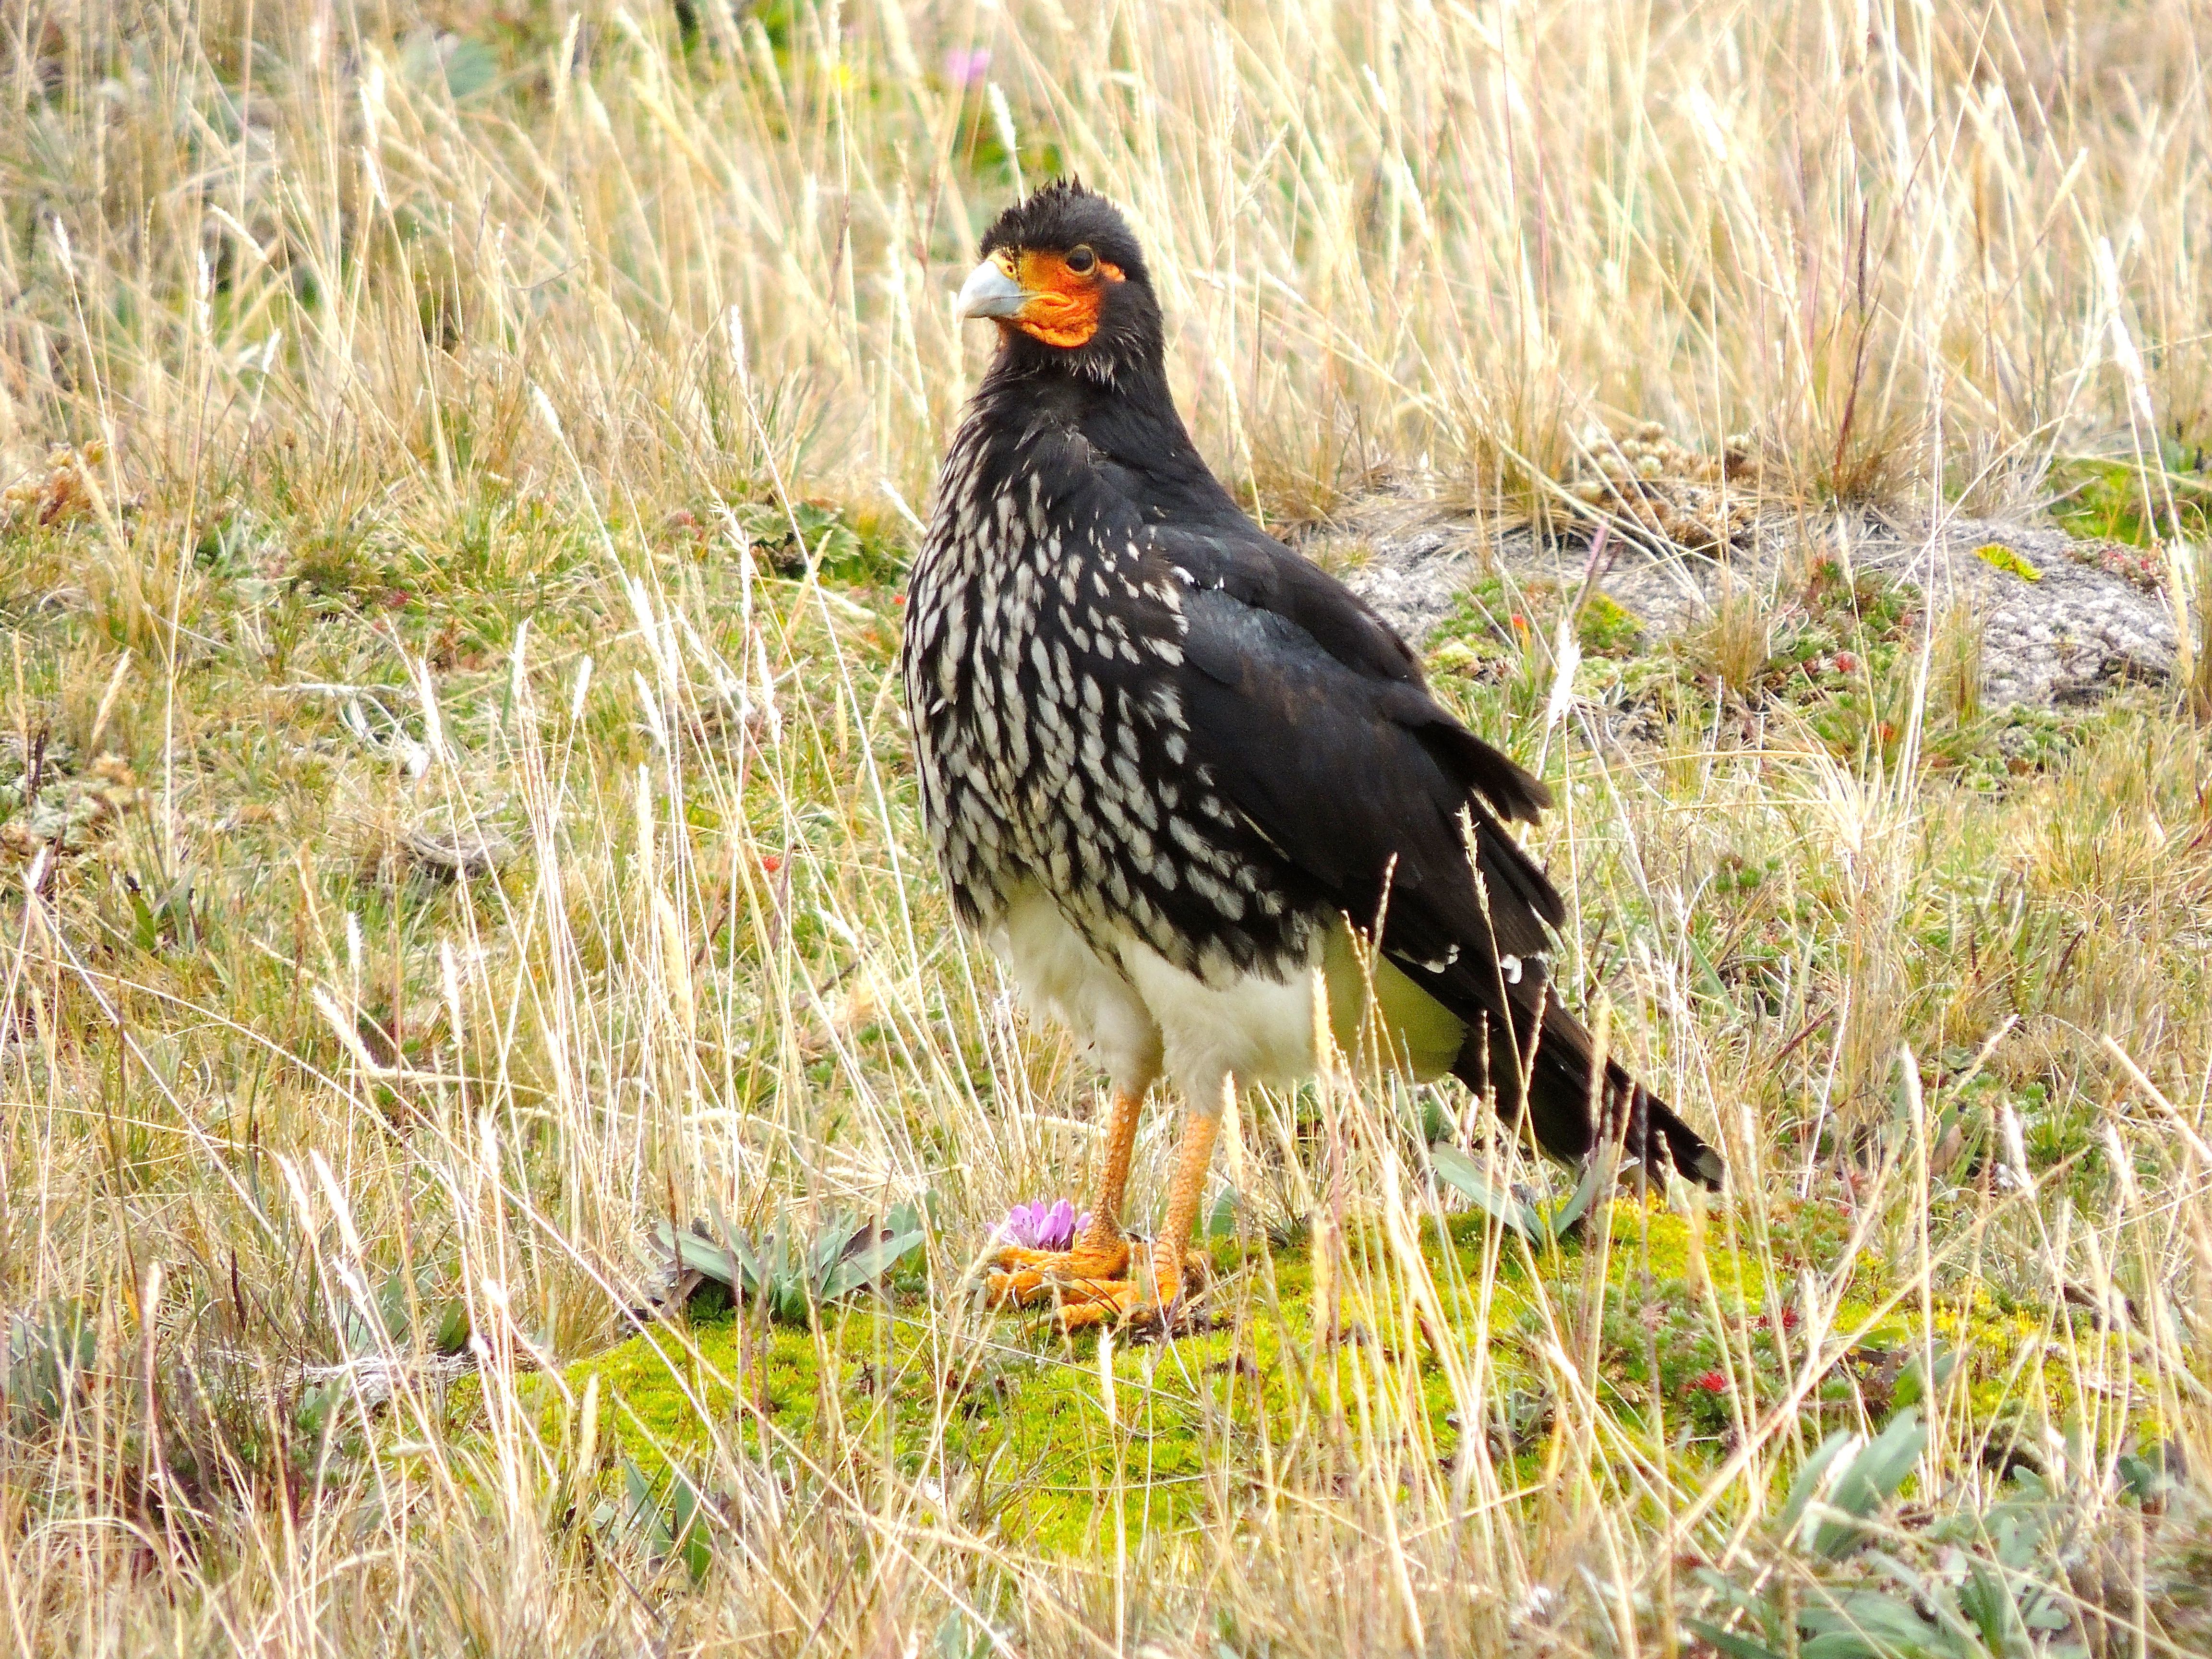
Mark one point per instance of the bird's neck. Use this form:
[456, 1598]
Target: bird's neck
[1129, 420]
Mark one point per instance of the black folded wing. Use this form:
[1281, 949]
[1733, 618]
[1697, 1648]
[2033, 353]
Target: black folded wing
[1311, 714]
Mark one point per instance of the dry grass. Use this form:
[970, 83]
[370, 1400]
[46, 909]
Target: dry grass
[498, 857]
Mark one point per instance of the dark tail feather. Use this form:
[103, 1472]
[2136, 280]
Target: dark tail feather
[1558, 1098]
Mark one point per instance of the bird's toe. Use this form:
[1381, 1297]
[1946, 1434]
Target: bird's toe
[1034, 1288]
[1158, 1299]
[1024, 1288]
[1088, 1260]
[1110, 1303]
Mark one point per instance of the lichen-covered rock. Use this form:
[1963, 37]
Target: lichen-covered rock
[2061, 622]
[2067, 634]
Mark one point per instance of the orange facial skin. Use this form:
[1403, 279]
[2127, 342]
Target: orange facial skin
[1063, 306]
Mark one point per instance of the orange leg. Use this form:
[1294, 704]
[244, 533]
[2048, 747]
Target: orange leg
[1094, 1302]
[1030, 1276]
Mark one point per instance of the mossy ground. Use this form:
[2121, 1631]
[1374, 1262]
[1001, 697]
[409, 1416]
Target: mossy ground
[1031, 1434]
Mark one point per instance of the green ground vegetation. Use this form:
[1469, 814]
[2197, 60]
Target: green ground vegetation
[457, 469]
[1054, 1446]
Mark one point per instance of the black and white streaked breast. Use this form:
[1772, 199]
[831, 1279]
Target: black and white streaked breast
[1043, 658]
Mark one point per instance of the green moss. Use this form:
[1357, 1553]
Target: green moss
[1023, 1430]
[1998, 556]
[2141, 503]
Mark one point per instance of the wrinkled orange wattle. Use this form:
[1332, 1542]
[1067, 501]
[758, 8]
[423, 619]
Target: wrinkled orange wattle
[1063, 307]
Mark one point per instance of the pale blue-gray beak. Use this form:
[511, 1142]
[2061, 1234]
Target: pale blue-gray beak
[990, 292]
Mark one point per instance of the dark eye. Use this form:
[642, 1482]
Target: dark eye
[1080, 259]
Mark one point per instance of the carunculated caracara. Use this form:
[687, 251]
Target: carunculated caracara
[1168, 767]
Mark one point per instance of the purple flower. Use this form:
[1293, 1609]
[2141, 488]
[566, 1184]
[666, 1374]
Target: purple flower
[1042, 1226]
[966, 69]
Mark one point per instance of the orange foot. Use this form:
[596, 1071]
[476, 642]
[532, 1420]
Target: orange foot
[1028, 1277]
[1156, 1297]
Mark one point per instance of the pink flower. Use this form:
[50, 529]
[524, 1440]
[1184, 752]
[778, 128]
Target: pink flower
[966, 69]
[1042, 1226]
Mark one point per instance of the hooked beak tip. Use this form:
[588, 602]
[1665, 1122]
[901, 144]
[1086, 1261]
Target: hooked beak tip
[989, 292]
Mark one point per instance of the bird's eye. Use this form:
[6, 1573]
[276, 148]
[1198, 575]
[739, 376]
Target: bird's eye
[1080, 259]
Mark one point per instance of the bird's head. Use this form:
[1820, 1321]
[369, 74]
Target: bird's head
[1065, 280]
